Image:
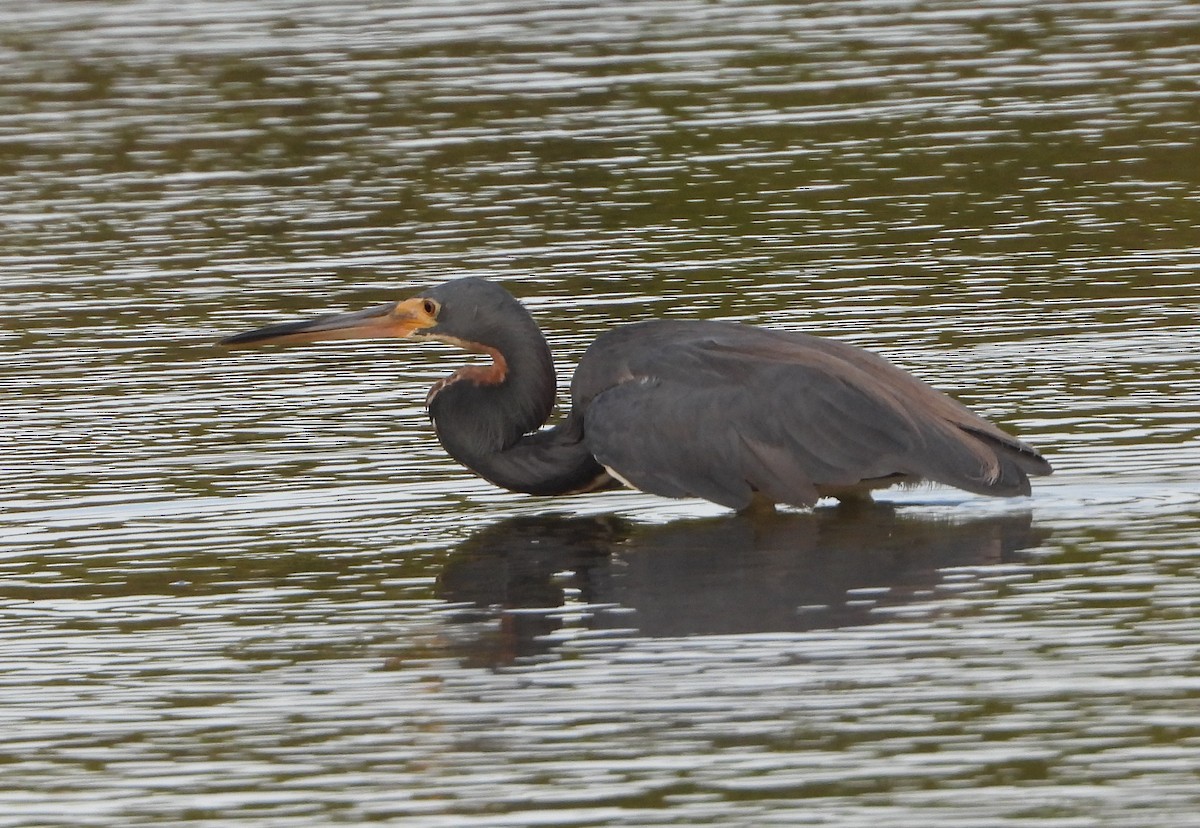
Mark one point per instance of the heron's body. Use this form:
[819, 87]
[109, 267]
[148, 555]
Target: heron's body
[731, 413]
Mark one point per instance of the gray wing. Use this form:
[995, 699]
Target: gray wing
[722, 411]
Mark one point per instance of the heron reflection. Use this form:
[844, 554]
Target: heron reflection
[799, 571]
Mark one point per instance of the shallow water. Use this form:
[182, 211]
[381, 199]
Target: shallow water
[249, 587]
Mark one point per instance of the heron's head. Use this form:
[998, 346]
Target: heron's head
[470, 312]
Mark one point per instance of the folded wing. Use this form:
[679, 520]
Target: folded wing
[723, 411]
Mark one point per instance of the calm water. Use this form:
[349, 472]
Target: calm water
[248, 588]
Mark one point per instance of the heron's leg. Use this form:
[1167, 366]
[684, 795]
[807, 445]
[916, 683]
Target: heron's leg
[855, 497]
[860, 492]
[863, 508]
[759, 504]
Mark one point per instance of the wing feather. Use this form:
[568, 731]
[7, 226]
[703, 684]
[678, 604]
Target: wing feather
[722, 411]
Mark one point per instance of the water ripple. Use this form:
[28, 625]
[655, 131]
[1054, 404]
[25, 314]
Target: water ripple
[250, 587]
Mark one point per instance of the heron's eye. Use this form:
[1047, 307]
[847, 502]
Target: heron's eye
[430, 307]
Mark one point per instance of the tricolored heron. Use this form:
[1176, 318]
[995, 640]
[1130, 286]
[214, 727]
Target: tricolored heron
[738, 415]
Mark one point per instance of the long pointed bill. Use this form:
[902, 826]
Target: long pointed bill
[391, 319]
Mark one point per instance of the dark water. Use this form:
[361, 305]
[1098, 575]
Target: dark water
[248, 588]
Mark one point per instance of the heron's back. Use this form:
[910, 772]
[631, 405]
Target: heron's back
[723, 402]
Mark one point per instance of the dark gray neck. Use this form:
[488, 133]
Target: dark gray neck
[492, 427]
[553, 461]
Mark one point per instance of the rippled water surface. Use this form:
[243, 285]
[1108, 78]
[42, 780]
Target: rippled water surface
[248, 587]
